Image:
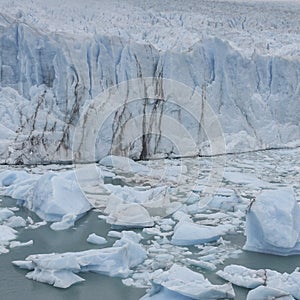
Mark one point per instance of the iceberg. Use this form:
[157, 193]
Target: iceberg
[187, 233]
[130, 216]
[66, 222]
[288, 284]
[183, 283]
[243, 276]
[5, 213]
[15, 244]
[60, 270]
[15, 222]
[155, 200]
[266, 293]
[51, 196]
[6, 234]
[96, 239]
[273, 223]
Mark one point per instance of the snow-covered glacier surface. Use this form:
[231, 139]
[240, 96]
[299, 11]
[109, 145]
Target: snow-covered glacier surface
[240, 75]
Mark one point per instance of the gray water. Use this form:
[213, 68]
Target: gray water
[14, 285]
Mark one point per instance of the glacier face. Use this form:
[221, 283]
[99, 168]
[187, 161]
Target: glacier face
[50, 80]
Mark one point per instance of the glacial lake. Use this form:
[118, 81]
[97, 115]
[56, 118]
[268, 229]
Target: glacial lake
[13, 281]
[14, 285]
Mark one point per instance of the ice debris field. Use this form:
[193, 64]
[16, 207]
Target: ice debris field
[165, 240]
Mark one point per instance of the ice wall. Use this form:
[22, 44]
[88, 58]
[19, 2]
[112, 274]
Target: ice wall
[48, 80]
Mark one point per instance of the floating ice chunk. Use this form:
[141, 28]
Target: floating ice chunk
[67, 221]
[58, 195]
[243, 276]
[5, 213]
[114, 234]
[155, 200]
[96, 239]
[15, 244]
[273, 223]
[23, 264]
[59, 269]
[60, 279]
[189, 233]
[201, 264]
[267, 293]
[224, 199]
[124, 164]
[130, 216]
[182, 283]
[152, 231]
[171, 173]
[15, 221]
[7, 234]
[289, 283]
[245, 179]
[50, 196]
[37, 225]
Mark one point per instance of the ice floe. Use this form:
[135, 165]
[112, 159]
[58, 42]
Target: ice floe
[273, 223]
[15, 222]
[267, 293]
[188, 233]
[66, 222]
[96, 239]
[130, 216]
[156, 200]
[182, 283]
[51, 196]
[15, 244]
[284, 282]
[60, 270]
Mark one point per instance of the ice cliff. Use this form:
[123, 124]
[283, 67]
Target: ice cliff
[49, 77]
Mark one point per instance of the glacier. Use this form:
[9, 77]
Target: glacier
[51, 75]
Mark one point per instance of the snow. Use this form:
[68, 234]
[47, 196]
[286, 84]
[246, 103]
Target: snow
[273, 223]
[285, 283]
[96, 239]
[186, 284]
[60, 270]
